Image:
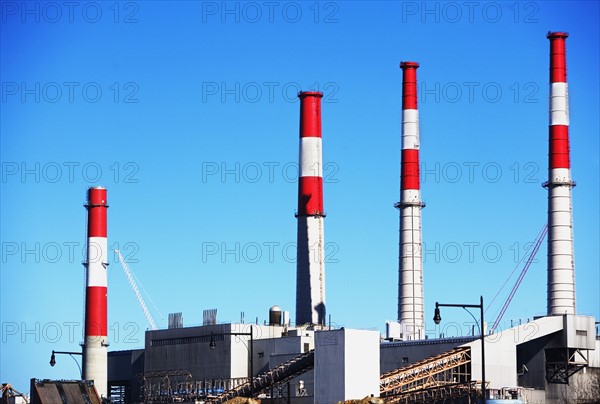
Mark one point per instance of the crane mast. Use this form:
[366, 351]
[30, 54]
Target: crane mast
[536, 247]
[138, 295]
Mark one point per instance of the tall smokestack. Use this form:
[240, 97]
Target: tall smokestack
[96, 341]
[561, 270]
[410, 286]
[310, 261]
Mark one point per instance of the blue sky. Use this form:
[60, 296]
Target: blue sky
[186, 112]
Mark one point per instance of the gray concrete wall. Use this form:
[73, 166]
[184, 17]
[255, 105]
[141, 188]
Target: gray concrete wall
[188, 349]
[346, 365]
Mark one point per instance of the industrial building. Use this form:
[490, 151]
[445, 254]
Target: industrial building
[550, 359]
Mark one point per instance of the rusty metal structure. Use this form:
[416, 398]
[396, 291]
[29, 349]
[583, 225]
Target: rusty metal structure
[45, 391]
[447, 375]
[438, 394]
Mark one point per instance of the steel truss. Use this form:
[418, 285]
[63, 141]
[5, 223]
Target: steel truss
[277, 376]
[447, 375]
[562, 363]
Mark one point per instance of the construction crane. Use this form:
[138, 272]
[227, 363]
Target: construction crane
[138, 295]
[536, 247]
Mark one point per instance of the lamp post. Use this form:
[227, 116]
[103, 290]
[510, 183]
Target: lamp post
[213, 345]
[53, 358]
[437, 319]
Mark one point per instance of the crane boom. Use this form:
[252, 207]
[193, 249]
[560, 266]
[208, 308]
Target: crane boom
[138, 295]
[536, 247]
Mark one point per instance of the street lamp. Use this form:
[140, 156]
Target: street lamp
[53, 358]
[437, 318]
[213, 345]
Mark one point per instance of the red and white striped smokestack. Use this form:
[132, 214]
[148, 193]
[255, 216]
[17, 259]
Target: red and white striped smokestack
[310, 261]
[561, 269]
[410, 287]
[95, 344]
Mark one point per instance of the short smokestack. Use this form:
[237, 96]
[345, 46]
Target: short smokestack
[95, 361]
[410, 286]
[561, 268]
[310, 261]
